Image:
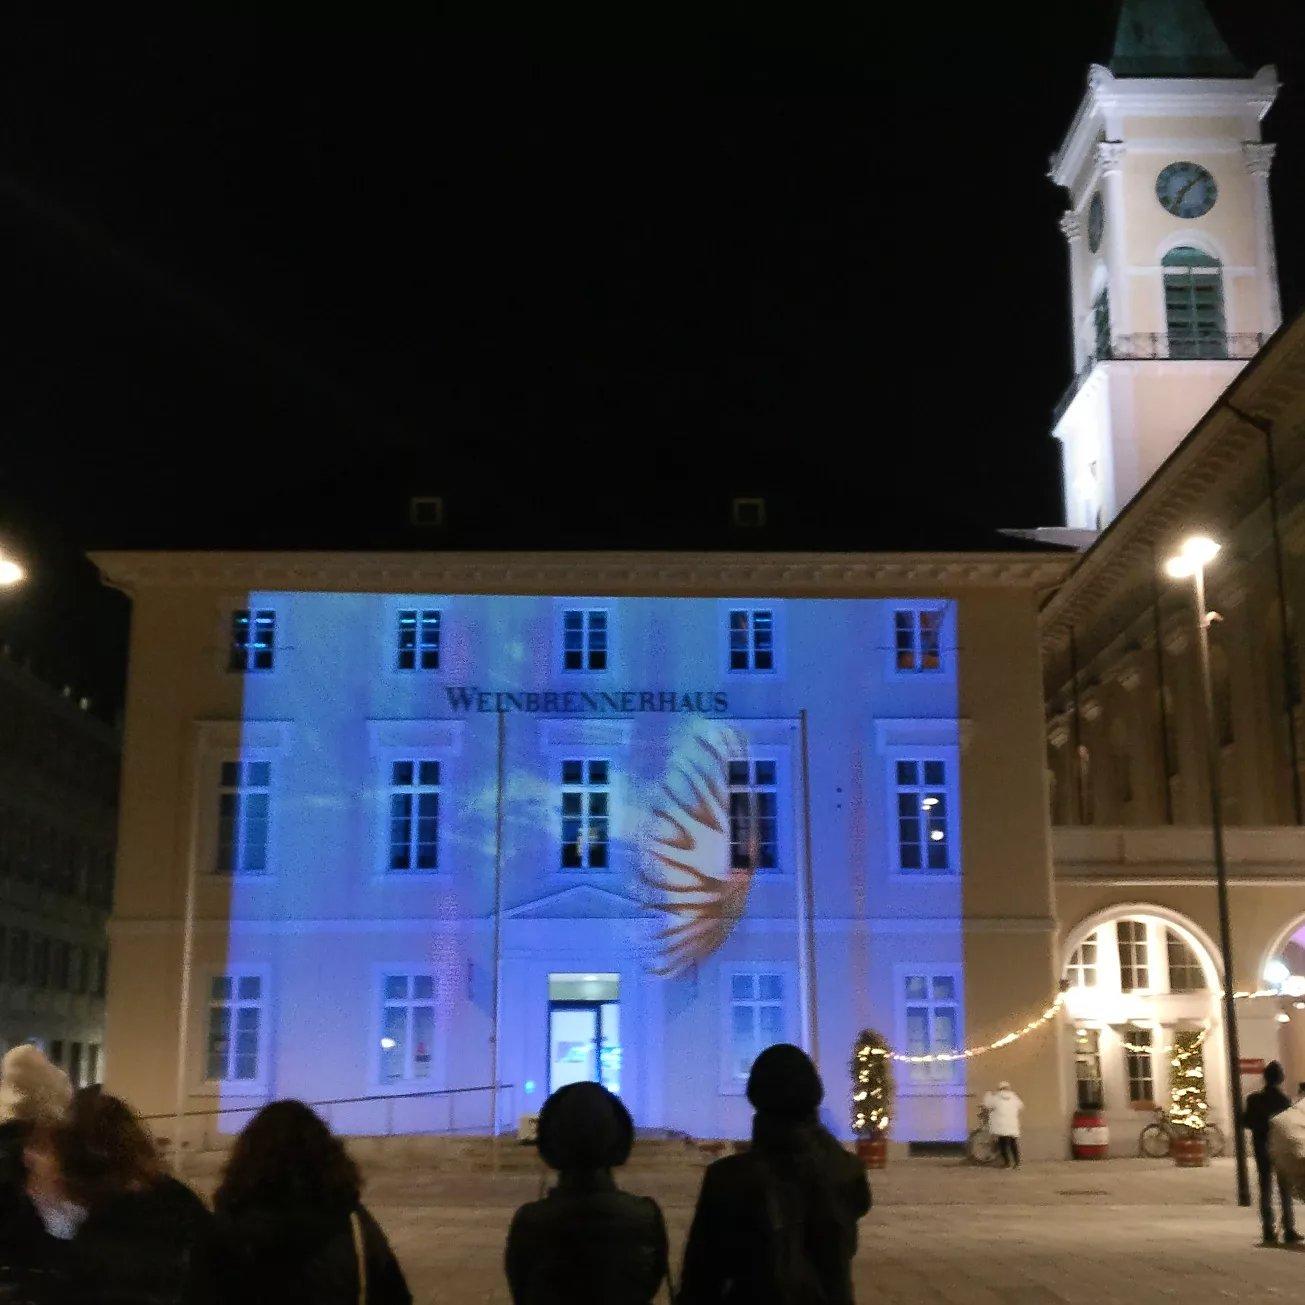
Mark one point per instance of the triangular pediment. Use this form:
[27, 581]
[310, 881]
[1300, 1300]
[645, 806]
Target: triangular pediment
[579, 902]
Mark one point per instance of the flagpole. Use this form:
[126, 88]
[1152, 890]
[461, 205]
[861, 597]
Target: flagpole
[187, 965]
[498, 920]
[808, 899]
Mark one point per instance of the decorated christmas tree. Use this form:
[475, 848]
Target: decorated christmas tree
[872, 1085]
[1188, 1108]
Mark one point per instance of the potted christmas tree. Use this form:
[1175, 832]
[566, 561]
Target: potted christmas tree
[1188, 1108]
[872, 1098]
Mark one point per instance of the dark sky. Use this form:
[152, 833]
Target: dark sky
[254, 266]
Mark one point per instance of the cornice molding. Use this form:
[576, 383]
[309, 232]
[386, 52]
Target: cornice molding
[1071, 227]
[1110, 156]
[723, 574]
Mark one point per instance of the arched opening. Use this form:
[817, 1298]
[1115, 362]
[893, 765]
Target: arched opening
[1138, 975]
[1194, 314]
[1282, 970]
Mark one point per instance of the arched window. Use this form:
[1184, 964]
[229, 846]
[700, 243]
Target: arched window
[1194, 304]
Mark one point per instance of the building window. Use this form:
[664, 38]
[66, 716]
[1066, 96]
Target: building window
[40, 962]
[81, 970]
[60, 966]
[253, 640]
[756, 1018]
[1194, 304]
[917, 633]
[56, 1052]
[754, 821]
[407, 1027]
[1082, 969]
[92, 1063]
[932, 1025]
[752, 640]
[922, 842]
[584, 640]
[101, 974]
[419, 640]
[414, 815]
[1134, 965]
[1087, 1069]
[1141, 1080]
[1101, 324]
[75, 1064]
[19, 955]
[586, 793]
[244, 810]
[1185, 971]
[235, 1026]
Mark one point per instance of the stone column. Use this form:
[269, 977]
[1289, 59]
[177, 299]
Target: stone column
[1258, 157]
[1071, 226]
[1110, 159]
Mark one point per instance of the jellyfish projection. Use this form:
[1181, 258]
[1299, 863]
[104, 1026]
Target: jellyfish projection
[699, 852]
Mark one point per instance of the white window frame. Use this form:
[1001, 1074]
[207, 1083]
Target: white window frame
[585, 606]
[586, 758]
[415, 791]
[946, 638]
[254, 610]
[1166, 932]
[781, 758]
[730, 1085]
[1148, 945]
[725, 609]
[243, 1087]
[1128, 1033]
[948, 1077]
[416, 741]
[921, 756]
[241, 741]
[408, 1086]
[1078, 968]
[240, 790]
[422, 608]
[751, 611]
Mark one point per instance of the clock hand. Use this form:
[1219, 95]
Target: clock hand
[1178, 198]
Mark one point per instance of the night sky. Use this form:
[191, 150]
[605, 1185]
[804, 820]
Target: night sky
[254, 269]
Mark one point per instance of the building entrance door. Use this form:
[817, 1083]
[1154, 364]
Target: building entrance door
[584, 1030]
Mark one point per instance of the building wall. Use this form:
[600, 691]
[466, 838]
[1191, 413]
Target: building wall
[58, 791]
[324, 925]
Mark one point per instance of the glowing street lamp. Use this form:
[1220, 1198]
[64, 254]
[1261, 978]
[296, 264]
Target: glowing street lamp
[11, 572]
[1190, 563]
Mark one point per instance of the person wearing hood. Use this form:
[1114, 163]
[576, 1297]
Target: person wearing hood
[34, 1094]
[1259, 1112]
[133, 1228]
[1004, 1109]
[777, 1225]
[289, 1224]
[587, 1242]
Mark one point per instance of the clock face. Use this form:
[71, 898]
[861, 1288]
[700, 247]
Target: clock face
[1186, 190]
[1096, 222]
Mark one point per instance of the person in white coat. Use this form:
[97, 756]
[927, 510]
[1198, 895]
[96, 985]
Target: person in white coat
[1004, 1108]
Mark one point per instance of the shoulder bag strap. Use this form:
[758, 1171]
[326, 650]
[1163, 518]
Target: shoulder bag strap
[360, 1253]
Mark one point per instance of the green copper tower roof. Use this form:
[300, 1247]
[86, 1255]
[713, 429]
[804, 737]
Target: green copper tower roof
[1170, 38]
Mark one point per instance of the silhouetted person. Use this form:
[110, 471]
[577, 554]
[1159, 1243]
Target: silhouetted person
[587, 1242]
[1260, 1109]
[33, 1097]
[777, 1224]
[136, 1227]
[1004, 1109]
[289, 1225]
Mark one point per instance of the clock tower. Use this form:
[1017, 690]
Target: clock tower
[1172, 273]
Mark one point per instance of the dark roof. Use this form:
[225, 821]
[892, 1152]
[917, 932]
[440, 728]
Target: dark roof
[1171, 38]
[342, 515]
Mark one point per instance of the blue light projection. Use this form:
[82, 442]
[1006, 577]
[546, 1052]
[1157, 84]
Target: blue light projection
[640, 779]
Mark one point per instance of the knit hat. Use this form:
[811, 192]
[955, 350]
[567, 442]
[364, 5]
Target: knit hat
[785, 1083]
[583, 1126]
[31, 1088]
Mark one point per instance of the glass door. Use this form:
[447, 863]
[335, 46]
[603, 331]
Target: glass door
[584, 1044]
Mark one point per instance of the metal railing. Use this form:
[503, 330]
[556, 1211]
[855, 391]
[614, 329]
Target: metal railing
[1152, 346]
[330, 1111]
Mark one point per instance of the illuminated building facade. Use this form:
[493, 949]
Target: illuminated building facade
[679, 805]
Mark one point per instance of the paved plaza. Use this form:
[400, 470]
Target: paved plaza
[1128, 1231]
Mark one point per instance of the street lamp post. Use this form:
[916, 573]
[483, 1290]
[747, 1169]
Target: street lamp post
[1191, 562]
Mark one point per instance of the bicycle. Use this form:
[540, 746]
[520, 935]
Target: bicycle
[1157, 1138]
[981, 1146]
